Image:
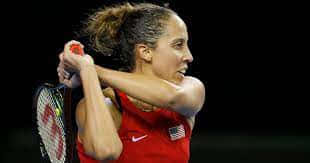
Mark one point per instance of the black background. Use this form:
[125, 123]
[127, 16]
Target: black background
[244, 53]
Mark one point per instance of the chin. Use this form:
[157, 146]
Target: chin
[178, 79]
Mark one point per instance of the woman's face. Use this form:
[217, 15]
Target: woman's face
[171, 56]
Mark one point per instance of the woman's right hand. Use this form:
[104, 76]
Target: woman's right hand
[64, 76]
[75, 63]
[71, 63]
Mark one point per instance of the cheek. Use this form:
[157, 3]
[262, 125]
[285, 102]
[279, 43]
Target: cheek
[165, 64]
[159, 65]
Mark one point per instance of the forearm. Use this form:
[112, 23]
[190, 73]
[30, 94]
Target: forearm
[99, 132]
[149, 89]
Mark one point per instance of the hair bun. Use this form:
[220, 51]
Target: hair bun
[103, 27]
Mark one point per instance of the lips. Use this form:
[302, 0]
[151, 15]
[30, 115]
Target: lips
[182, 72]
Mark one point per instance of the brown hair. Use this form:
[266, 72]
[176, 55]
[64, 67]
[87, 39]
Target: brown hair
[114, 31]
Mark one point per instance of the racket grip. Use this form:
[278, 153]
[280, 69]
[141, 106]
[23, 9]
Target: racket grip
[76, 49]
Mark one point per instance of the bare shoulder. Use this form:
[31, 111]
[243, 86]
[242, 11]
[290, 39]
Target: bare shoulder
[110, 103]
[193, 80]
[191, 121]
[109, 93]
[196, 91]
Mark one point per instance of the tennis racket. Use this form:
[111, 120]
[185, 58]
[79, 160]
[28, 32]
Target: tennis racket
[52, 108]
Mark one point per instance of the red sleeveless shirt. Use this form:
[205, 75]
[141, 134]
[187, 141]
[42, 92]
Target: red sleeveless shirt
[160, 136]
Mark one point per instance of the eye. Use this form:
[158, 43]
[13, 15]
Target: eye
[179, 45]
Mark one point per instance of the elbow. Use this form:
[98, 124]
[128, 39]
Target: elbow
[179, 102]
[108, 154]
[188, 101]
[117, 150]
[105, 152]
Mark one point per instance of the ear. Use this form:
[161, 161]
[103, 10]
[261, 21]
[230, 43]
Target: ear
[144, 52]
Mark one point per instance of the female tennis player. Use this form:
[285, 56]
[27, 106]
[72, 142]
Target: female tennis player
[148, 111]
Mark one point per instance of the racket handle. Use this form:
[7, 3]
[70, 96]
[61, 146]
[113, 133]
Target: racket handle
[59, 86]
[76, 49]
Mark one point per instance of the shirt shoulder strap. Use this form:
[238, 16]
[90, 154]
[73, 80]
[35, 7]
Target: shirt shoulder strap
[118, 100]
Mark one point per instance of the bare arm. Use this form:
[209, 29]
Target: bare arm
[97, 131]
[186, 98]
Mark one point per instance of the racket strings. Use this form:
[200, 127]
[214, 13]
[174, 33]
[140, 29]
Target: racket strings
[48, 129]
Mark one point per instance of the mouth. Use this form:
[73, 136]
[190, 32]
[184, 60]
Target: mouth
[182, 72]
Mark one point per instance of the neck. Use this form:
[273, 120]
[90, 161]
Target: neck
[143, 68]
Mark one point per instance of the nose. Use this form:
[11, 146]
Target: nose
[188, 57]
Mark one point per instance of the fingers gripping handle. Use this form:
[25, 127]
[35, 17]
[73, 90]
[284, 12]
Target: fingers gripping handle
[76, 49]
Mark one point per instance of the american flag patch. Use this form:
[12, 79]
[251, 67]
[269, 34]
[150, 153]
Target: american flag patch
[177, 132]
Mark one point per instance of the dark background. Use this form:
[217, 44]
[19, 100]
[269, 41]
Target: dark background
[243, 53]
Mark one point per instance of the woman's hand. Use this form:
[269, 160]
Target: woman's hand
[75, 63]
[72, 63]
[65, 77]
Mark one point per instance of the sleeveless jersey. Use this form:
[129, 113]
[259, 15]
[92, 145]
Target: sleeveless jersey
[160, 136]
